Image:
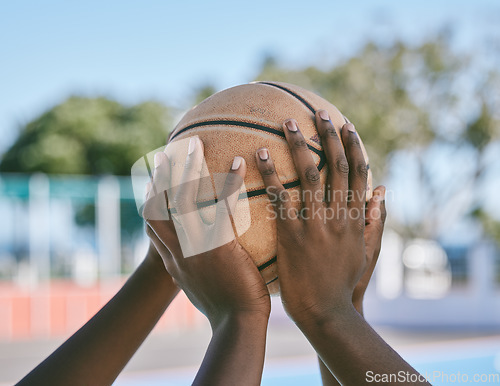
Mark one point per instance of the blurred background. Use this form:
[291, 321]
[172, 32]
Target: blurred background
[88, 88]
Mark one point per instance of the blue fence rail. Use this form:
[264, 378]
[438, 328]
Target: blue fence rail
[64, 225]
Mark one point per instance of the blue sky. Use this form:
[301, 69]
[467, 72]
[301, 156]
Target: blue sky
[133, 50]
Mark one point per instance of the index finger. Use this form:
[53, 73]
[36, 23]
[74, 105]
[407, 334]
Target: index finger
[358, 171]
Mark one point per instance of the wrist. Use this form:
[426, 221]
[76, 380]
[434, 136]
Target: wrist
[154, 262]
[154, 269]
[153, 257]
[246, 321]
[316, 320]
[313, 311]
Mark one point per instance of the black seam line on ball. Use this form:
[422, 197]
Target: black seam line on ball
[271, 281]
[304, 102]
[258, 192]
[267, 263]
[297, 96]
[255, 126]
[250, 194]
[230, 123]
[320, 153]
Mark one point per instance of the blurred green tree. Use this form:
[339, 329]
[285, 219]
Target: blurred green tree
[409, 106]
[423, 108]
[90, 136]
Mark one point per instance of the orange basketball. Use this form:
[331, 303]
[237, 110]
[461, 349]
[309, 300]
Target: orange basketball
[238, 121]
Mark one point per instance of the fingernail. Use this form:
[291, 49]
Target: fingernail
[351, 128]
[380, 194]
[158, 159]
[263, 154]
[323, 114]
[236, 163]
[192, 145]
[291, 125]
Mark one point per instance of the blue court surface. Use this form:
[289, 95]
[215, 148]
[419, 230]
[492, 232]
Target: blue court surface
[474, 362]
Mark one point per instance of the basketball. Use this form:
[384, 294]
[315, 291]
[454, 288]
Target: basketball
[238, 121]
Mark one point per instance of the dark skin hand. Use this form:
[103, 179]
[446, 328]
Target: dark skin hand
[222, 282]
[374, 227]
[322, 257]
[98, 351]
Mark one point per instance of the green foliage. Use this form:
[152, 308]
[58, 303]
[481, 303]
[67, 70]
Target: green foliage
[403, 99]
[377, 90]
[409, 99]
[88, 136]
[481, 129]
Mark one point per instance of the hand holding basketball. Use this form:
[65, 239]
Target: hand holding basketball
[321, 248]
[220, 282]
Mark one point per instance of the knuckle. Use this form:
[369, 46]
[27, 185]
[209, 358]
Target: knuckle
[279, 194]
[283, 196]
[267, 171]
[340, 225]
[312, 175]
[300, 144]
[354, 141]
[193, 165]
[359, 224]
[222, 208]
[341, 165]
[361, 170]
[190, 163]
[232, 180]
[329, 132]
[378, 225]
[300, 237]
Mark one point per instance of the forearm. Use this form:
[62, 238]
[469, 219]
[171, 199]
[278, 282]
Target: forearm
[236, 352]
[99, 350]
[352, 350]
[327, 378]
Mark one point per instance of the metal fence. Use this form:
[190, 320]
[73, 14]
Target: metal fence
[68, 242]
[66, 246]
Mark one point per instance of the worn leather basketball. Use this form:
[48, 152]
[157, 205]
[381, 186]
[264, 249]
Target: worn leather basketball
[238, 121]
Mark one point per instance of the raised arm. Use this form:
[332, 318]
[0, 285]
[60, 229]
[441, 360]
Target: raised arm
[218, 276]
[374, 227]
[322, 255]
[98, 351]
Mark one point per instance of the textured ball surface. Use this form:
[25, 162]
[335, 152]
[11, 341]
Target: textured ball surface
[238, 121]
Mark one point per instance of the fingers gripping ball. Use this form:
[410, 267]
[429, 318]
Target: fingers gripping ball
[237, 122]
